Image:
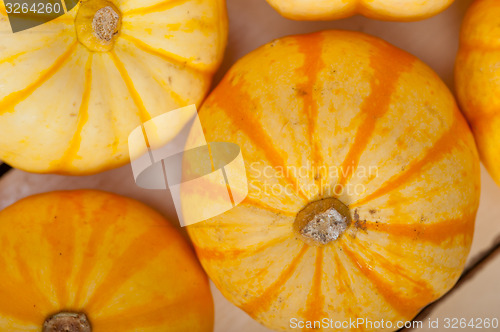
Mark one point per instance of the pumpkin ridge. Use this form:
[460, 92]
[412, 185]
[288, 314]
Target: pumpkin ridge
[165, 55]
[344, 285]
[265, 299]
[7, 103]
[221, 254]
[249, 125]
[166, 87]
[405, 307]
[15, 56]
[284, 223]
[424, 293]
[143, 316]
[83, 116]
[436, 152]
[400, 271]
[121, 270]
[395, 251]
[14, 304]
[316, 300]
[60, 234]
[342, 275]
[96, 237]
[312, 49]
[144, 115]
[159, 7]
[260, 204]
[114, 112]
[178, 99]
[388, 66]
[435, 233]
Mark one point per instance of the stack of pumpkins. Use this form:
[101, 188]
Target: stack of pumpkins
[378, 225]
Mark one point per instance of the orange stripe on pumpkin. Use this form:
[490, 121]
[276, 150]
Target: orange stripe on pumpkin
[316, 300]
[160, 7]
[439, 149]
[311, 46]
[435, 233]
[60, 234]
[341, 276]
[103, 218]
[83, 116]
[343, 286]
[14, 56]
[144, 249]
[254, 202]
[136, 97]
[7, 104]
[167, 56]
[265, 300]
[407, 305]
[230, 98]
[233, 254]
[21, 299]
[388, 64]
[149, 315]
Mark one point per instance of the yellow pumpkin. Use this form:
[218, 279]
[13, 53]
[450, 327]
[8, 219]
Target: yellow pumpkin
[390, 10]
[363, 183]
[93, 259]
[477, 79]
[73, 89]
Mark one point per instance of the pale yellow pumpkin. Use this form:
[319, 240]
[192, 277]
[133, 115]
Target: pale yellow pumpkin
[69, 97]
[363, 183]
[390, 10]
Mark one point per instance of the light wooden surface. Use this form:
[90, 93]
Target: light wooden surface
[253, 23]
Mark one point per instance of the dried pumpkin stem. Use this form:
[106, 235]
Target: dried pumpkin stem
[322, 222]
[98, 24]
[67, 322]
[105, 24]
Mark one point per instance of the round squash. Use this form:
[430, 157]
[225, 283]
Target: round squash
[72, 89]
[389, 10]
[94, 261]
[363, 182]
[477, 79]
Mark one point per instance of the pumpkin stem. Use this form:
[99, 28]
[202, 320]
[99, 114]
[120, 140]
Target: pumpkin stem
[97, 25]
[322, 222]
[105, 24]
[67, 322]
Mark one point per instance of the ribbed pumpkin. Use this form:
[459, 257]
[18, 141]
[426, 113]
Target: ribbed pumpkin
[363, 183]
[98, 260]
[73, 89]
[390, 10]
[477, 79]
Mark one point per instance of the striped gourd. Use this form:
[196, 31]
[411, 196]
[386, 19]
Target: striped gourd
[105, 259]
[363, 182]
[391, 10]
[477, 73]
[73, 89]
